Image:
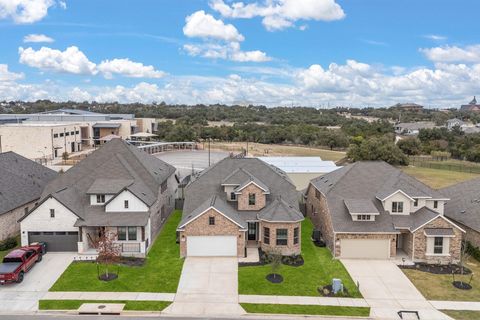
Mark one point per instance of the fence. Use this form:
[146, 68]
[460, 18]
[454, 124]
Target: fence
[450, 165]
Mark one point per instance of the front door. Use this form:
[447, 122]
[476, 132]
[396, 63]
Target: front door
[252, 231]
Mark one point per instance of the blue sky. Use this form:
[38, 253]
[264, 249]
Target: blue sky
[277, 52]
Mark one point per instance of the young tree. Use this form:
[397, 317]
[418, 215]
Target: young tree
[65, 157]
[108, 251]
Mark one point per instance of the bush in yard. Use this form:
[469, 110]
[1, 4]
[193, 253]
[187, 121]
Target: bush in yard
[473, 251]
[8, 244]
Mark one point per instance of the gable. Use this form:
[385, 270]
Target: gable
[438, 222]
[205, 213]
[39, 218]
[117, 203]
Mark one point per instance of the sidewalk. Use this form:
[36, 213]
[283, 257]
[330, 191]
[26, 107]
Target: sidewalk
[128, 296]
[300, 300]
[456, 305]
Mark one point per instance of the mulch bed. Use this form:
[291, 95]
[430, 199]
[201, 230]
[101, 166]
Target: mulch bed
[274, 278]
[292, 261]
[438, 268]
[327, 291]
[109, 277]
[461, 285]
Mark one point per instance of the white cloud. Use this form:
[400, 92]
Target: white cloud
[229, 51]
[281, 14]
[7, 76]
[202, 25]
[128, 68]
[25, 11]
[469, 54]
[72, 60]
[37, 38]
[435, 37]
[253, 56]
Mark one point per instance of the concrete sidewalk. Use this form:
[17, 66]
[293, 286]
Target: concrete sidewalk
[456, 305]
[300, 300]
[114, 296]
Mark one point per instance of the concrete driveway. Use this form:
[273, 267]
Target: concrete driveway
[387, 290]
[23, 297]
[208, 286]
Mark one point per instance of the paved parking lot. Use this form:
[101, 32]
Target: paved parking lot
[185, 160]
[23, 297]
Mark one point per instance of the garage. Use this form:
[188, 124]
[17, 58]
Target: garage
[211, 246]
[365, 248]
[59, 241]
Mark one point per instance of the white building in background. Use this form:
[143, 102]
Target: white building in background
[301, 169]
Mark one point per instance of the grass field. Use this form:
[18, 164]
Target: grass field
[306, 309]
[129, 305]
[259, 149]
[439, 286]
[437, 178]
[462, 314]
[160, 273]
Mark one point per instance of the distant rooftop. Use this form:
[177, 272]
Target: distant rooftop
[301, 164]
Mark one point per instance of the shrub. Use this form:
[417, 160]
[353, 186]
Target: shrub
[473, 251]
[8, 244]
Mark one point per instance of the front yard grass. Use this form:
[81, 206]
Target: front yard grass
[129, 305]
[439, 286]
[161, 272]
[462, 314]
[306, 309]
[319, 270]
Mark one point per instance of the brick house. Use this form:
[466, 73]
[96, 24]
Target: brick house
[372, 210]
[118, 189]
[21, 184]
[238, 203]
[464, 208]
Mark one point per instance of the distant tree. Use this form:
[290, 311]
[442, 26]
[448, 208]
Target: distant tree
[410, 146]
[65, 156]
[382, 148]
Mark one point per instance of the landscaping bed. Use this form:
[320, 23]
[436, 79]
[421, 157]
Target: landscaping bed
[160, 272]
[265, 258]
[318, 270]
[306, 309]
[129, 305]
[438, 268]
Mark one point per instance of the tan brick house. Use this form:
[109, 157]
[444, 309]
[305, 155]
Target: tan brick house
[240, 203]
[372, 210]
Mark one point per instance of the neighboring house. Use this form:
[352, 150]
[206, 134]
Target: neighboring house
[464, 207]
[21, 184]
[301, 169]
[117, 189]
[371, 210]
[452, 123]
[412, 128]
[472, 106]
[240, 202]
[409, 106]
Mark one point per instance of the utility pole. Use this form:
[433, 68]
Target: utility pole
[0, 143]
[209, 151]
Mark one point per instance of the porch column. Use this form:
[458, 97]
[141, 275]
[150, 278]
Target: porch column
[80, 234]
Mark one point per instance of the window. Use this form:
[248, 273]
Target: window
[125, 204]
[211, 221]
[233, 196]
[415, 202]
[163, 187]
[364, 217]
[266, 235]
[77, 132]
[67, 134]
[397, 207]
[122, 233]
[72, 133]
[282, 237]
[251, 199]
[295, 236]
[438, 245]
[52, 213]
[132, 233]
[25, 210]
[435, 204]
[55, 135]
[100, 198]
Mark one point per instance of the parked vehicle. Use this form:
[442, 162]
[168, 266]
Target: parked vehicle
[20, 261]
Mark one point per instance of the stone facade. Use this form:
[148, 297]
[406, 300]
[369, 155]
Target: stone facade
[420, 243]
[9, 226]
[317, 211]
[408, 244]
[471, 235]
[223, 227]
[260, 198]
[391, 237]
[290, 248]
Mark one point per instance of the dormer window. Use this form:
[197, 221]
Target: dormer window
[233, 196]
[397, 207]
[415, 202]
[251, 199]
[100, 198]
[364, 217]
[435, 204]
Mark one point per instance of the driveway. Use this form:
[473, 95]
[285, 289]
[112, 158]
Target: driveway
[387, 290]
[23, 297]
[208, 286]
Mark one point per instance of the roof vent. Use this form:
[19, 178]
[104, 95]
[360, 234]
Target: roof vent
[463, 211]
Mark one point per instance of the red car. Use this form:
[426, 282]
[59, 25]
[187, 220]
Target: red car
[18, 262]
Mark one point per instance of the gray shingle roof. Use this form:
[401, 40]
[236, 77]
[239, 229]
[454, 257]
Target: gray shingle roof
[200, 191]
[464, 203]
[118, 161]
[21, 180]
[109, 186]
[439, 232]
[367, 180]
[360, 206]
[280, 211]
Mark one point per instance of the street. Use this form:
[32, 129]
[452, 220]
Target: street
[156, 315]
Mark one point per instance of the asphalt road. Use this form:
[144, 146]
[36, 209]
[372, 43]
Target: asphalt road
[77, 317]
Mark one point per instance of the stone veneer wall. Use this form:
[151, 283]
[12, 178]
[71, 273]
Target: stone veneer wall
[290, 248]
[9, 226]
[472, 236]
[420, 243]
[391, 237]
[242, 198]
[408, 244]
[222, 227]
[320, 216]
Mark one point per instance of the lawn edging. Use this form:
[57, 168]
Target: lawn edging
[289, 309]
[130, 305]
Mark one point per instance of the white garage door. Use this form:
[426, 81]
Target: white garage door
[211, 246]
[365, 248]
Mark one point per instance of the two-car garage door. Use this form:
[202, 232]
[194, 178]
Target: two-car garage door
[56, 241]
[211, 246]
[365, 248]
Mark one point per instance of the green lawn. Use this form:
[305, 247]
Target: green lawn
[4, 253]
[462, 314]
[439, 286]
[306, 309]
[160, 273]
[437, 178]
[318, 270]
[129, 305]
